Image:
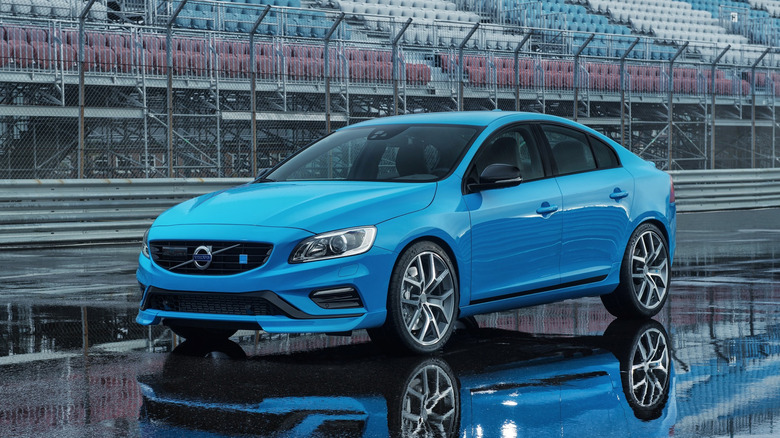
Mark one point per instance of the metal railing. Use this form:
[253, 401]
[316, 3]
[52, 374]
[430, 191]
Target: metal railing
[45, 212]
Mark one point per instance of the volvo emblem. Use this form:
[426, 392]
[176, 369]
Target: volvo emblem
[202, 257]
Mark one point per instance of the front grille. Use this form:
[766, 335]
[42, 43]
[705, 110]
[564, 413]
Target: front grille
[210, 303]
[227, 258]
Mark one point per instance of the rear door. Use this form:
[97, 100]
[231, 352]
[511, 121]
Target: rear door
[597, 194]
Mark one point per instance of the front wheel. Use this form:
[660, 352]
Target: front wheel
[644, 276]
[422, 302]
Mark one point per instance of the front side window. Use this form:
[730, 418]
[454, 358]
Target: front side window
[570, 149]
[380, 153]
[516, 147]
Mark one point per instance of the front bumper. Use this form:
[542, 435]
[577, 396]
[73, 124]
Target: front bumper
[288, 286]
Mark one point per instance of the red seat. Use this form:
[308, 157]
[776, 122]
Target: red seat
[355, 55]
[315, 68]
[153, 42]
[240, 48]
[527, 79]
[22, 53]
[116, 41]
[597, 81]
[125, 60]
[265, 49]
[568, 79]
[199, 64]
[357, 70]
[5, 53]
[223, 47]
[13, 33]
[68, 57]
[43, 54]
[477, 75]
[506, 77]
[105, 59]
[296, 67]
[155, 62]
[37, 35]
[229, 66]
[190, 45]
[181, 62]
[612, 82]
[385, 56]
[265, 66]
[554, 79]
[380, 71]
[93, 39]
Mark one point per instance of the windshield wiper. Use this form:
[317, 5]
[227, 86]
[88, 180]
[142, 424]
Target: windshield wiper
[262, 180]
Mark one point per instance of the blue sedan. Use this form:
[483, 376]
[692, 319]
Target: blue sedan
[404, 225]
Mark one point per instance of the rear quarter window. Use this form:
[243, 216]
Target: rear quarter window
[606, 158]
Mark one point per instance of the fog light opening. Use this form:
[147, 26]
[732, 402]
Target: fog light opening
[337, 298]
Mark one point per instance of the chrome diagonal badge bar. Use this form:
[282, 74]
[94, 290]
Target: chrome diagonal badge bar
[202, 257]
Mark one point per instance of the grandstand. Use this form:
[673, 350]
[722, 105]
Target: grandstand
[158, 88]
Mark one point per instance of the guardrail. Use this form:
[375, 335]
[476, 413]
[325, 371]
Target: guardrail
[44, 212]
[712, 190]
[69, 212]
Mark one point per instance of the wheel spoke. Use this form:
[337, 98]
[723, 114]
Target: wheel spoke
[420, 273]
[438, 280]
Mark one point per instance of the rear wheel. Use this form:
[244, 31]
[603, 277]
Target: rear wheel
[422, 302]
[644, 276]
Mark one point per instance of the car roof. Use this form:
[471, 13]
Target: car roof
[470, 118]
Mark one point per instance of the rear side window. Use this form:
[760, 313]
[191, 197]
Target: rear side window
[570, 149]
[605, 155]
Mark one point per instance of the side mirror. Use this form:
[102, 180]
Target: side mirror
[497, 176]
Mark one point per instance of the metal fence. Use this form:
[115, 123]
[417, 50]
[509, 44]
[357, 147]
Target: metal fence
[201, 91]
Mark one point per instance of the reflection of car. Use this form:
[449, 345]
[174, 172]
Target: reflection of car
[404, 224]
[487, 383]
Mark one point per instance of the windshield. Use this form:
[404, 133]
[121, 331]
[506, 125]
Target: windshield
[417, 152]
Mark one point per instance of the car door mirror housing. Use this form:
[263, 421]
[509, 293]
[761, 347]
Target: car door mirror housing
[497, 176]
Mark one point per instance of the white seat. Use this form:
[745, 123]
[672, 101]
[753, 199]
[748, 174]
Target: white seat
[22, 7]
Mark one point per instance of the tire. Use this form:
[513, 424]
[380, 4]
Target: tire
[645, 275]
[422, 302]
[201, 334]
[644, 352]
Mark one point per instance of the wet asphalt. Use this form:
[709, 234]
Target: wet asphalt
[73, 362]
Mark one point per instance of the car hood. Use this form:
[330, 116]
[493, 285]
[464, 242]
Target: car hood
[313, 206]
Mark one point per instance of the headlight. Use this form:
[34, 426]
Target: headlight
[341, 243]
[145, 244]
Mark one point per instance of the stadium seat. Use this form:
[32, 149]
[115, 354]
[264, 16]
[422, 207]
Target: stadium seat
[125, 59]
[105, 59]
[43, 54]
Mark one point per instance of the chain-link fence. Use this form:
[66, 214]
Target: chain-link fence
[214, 89]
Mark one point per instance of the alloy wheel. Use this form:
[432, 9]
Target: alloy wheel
[650, 270]
[427, 298]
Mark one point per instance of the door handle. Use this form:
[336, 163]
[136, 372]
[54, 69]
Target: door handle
[618, 194]
[546, 208]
